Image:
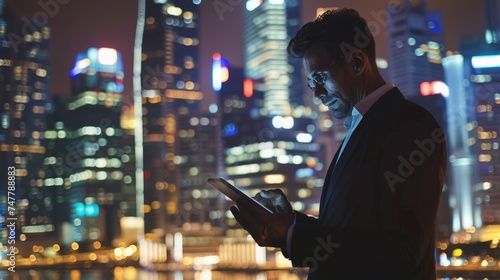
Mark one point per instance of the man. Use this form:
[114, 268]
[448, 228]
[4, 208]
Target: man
[381, 193]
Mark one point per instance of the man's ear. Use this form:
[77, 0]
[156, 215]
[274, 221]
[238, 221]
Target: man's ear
[358, 62]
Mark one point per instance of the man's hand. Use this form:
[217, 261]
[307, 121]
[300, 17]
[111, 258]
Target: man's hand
[267, 229]
[275, 200]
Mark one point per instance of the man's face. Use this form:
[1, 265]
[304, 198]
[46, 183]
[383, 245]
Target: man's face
[331, 79]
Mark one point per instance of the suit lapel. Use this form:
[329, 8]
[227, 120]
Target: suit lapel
[381, 107]
[328, 177]
[349, 149]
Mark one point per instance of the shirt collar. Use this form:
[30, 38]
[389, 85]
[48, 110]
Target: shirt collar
[362, 107]
[367, 102]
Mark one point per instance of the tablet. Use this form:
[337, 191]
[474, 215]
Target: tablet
[234, 193]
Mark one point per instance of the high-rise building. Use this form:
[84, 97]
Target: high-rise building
[237, 103]
[269, 25]
[279, 150]
[460, 144]
[170, 86]
[24, 81]
[96, 143]
[415, 46]
[201, 206]
[483, 70]
[58, 164]
[6, 157]
[492, 17]
[475, 155]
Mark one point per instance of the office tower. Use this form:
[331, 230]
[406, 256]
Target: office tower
[127, 123]
[280, 152]
[483, 69]
[24, 102]
[237, 103]
[461, 120]
[5, 136]
[482, 76]
[95, 141]
[57, 166]
[268, 27]
[170, 87]
[415, 46]
[201, 208]
[492, 17]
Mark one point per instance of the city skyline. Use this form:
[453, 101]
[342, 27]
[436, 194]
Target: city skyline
[179, 144]
[73, 32]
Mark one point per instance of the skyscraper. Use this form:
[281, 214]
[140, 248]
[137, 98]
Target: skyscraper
[25, 75]
[170, 87]
[415, 46]
[200, 206]
[483, 68]
[492, 17]
[5, 99]
[268, 27]
[478, 201]
[96, 145]
[462, 172]
[280, 151]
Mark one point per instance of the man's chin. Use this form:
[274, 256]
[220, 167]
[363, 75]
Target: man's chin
[339, 114]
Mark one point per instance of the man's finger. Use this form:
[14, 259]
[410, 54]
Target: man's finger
[239, 218]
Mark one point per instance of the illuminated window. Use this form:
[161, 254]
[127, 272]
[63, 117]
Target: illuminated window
[107, 56]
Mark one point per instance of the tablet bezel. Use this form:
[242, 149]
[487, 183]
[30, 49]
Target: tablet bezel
[233, 192]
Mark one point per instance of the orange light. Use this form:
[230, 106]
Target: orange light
[248, 88]
[224, 74]
[425, 88]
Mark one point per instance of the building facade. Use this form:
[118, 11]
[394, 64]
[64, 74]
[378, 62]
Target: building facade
[24, 80]
[170, 87]
[278, 150]
[94, 146]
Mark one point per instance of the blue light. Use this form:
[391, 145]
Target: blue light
[5, 121]
[229, 130]
[111, 87]
[304, 172]
[486, 61]
[91, 210]
[197, 2]
[434, 22]
[119, 88]
[75, 71]
[80, 209]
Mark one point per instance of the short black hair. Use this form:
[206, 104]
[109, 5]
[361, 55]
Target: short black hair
[343, 28]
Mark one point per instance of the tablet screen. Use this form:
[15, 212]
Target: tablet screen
[233, 193]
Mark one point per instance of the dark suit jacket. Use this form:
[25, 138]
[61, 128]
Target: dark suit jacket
[378, 207]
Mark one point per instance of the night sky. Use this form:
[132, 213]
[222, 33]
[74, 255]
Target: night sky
[80, 24]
